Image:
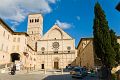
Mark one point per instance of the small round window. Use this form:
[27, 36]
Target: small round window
[43, 49]
[68, 48]
[55, 45]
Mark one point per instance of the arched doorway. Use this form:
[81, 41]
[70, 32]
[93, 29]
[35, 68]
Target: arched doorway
[15, 56]
[42, 66]
[56, 63]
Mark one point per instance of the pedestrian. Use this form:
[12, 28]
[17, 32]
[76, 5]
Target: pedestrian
[13, 70]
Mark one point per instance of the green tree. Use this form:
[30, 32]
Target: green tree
[116, 46]
[102, 40]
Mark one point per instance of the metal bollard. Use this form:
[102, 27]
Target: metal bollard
[62, 71]
[44, 71]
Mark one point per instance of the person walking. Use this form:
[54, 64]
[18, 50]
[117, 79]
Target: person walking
[13, 70]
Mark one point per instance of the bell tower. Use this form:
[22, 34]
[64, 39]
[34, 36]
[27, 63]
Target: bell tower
[35, 26]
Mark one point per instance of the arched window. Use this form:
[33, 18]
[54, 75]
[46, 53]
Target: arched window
[37, 20]
[30, 20]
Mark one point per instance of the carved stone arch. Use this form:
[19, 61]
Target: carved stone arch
[56, 59]
[55, 34]
[58, 30]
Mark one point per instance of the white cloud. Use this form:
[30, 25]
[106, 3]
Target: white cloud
[63, 25]
[15, 25]
[78, 17]
[17, 10]
[52, 1]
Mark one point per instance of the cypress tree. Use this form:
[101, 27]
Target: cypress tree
[102, 40]
[116, 46]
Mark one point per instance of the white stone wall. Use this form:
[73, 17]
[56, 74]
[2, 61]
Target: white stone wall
[11, 42]
[48, 45]
[48, 57]
[48, 60]
[20, 46]
[5, 44]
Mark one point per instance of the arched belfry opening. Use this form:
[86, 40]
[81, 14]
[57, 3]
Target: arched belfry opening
[15, 56]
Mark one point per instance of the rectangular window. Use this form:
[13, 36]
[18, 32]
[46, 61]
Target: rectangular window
[42, 66]
[14, 39]
[8, 37]
[18, 40]
[4, 33]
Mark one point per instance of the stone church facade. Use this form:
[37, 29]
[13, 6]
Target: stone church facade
[56, 49]
[53, 50]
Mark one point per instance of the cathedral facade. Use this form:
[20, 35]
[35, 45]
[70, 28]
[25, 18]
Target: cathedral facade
[53, 50]
[56, 49]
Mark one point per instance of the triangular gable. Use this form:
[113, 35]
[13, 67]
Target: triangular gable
[55, 27]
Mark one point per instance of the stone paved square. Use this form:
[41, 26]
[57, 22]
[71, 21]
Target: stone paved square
[39, 75]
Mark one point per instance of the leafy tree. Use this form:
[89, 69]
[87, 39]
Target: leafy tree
[115, 45]
[102, 40]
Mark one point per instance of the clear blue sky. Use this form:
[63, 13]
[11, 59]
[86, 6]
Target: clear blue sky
[76, 16]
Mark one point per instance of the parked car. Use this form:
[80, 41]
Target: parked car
[78, 72]
[69, 67]
[91, 73]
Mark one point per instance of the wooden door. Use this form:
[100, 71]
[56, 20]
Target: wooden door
[56, 65]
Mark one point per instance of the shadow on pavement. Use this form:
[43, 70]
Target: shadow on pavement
[58, 77]
[68, 77]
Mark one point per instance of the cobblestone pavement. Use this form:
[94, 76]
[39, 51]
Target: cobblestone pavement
[37, 75]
